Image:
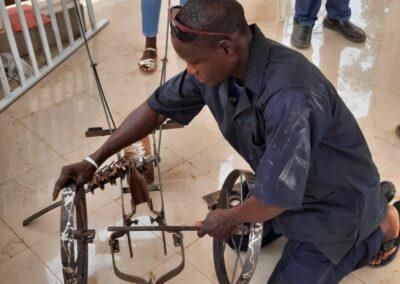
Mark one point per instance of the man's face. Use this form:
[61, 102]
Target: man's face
[209, 63]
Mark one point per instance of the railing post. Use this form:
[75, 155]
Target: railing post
[27, 37]
[42, 32]
[54, 24]
[67, 22]
[3, 79]
[12, 43]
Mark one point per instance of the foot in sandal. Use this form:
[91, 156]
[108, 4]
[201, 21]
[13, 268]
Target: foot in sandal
[390, 228]
[148, 62]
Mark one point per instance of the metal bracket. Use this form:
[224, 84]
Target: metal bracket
[89, 235]
[98, 131]
[178, 242]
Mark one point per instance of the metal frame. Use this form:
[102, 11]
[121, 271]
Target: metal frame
[52, 62]
[123, 171]
[127, 221]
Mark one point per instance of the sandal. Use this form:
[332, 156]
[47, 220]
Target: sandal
[149, 65]
[386, 246]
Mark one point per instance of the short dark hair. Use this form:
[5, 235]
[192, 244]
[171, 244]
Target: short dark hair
[223, 16]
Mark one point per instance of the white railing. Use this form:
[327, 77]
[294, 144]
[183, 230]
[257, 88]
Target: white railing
[19, 66]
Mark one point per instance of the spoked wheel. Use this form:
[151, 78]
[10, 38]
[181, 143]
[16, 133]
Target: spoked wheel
[74, 236]
[235, 261]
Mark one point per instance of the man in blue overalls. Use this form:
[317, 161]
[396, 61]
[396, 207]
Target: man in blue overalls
[315, 179]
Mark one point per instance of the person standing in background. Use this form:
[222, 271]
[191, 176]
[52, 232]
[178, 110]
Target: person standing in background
[150, 21]
[338, 19]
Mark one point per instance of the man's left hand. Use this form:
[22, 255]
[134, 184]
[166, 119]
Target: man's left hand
[217, 224]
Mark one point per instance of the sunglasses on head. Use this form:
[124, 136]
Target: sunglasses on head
[183, 32]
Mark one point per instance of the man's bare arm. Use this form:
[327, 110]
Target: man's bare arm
[220, 222]
[136, 126]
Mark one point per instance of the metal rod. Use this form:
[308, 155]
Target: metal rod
[42, 32]
[11, 41]
[107, 111]
[3, 79]
[27, 37]
[67, 22]
[157, 164]
[54, 24]
[152, 228]
[28, 220]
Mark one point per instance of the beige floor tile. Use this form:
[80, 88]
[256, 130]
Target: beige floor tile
[49, 92]
[200, 134]
[218, 161]
[366, 101]
[189, 275]
[386, 126]
[10, 245]
[19, 202]
[24, 268]
[386, 157]
[200, 255]
[269, 257]
[5, 118]
[147, 249]
[63, 126]
[129, 91]
[21, 151]
[351, 279]
[387, 274]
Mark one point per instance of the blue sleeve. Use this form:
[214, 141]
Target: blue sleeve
[296, 120]
[179, 99]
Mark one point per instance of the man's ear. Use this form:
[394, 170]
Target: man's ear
[226, 47]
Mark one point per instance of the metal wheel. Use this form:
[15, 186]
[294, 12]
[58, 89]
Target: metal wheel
[74, 236]
[237, 264]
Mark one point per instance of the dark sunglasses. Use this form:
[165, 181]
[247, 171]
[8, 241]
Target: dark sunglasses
[185, 33]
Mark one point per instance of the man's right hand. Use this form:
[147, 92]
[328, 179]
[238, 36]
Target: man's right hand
[80, 173]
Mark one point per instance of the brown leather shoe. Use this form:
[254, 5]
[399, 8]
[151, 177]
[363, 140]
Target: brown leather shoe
[347, 29]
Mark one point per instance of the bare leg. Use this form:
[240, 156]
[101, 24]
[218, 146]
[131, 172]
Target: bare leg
[151, 42]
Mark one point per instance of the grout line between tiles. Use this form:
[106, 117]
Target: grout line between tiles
[52, 272]
[21, 240]
[193, 156]
[37, 136]
[353, 275]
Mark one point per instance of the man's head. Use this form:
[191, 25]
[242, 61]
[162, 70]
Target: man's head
[212, 57]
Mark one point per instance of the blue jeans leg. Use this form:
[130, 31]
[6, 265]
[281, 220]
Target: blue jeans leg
[306, 11]
[338, 10]
[151, 16]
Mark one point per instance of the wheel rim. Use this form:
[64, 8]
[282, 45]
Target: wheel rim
[74, 253]
[234, 266]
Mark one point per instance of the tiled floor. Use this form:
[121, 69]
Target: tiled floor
[44, 130]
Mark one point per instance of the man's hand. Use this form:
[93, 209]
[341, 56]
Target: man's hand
[80, 173]
[217, 224]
